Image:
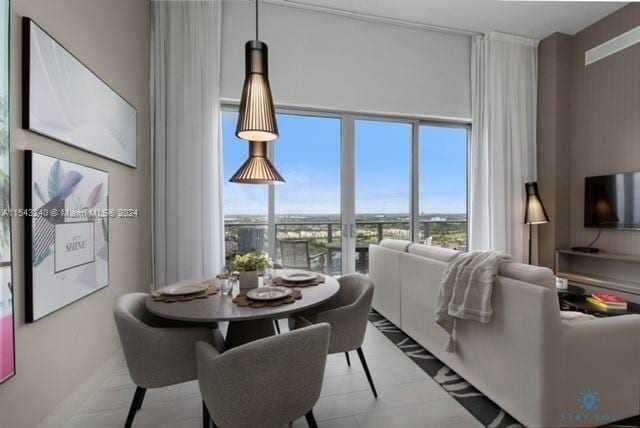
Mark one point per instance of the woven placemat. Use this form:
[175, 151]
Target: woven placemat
[244, 301]
[284, 283]
[159, 297]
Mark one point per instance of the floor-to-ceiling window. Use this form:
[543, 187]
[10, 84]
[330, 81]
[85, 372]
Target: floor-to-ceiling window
[382, 184]
[307, 207]
[246, 207]
[443, 186]
[351, 181]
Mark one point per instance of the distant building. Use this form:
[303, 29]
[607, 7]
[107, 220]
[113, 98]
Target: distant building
[251, 239]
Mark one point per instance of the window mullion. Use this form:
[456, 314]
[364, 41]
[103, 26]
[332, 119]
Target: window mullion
[272, 232]
[414, 216]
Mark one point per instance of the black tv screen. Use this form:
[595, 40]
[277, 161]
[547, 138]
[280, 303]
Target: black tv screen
[613, 201]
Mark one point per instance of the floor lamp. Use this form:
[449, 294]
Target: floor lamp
[534, 212]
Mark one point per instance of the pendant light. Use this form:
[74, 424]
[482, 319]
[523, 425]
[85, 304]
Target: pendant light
[257, 117]
[257, 169]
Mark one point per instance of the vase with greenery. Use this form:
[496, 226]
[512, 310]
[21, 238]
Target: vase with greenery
[249, 266]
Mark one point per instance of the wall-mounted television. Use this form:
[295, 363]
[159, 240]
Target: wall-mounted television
[613, 201]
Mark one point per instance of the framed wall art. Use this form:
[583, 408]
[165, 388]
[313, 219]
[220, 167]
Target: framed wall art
[67, 233]
[7, 333]
[64, 100]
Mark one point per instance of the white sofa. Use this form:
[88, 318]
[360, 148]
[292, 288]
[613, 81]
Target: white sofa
[527, 360]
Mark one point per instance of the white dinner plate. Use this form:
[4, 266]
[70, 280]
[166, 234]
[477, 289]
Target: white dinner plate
[299, 277]
[183, 289]
[268, 293]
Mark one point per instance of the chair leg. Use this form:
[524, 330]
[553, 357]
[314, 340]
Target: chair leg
[346, 354]
[144, 391]
[311, 420]
[366, 371]
[277, 324]
[138, 396]
[206, 417]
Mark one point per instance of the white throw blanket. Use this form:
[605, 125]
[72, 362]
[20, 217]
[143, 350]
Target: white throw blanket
[466, 290]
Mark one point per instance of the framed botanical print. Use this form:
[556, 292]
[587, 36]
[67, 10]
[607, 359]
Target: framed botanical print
[67, 233]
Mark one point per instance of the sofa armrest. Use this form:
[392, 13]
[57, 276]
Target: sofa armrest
[601, 355]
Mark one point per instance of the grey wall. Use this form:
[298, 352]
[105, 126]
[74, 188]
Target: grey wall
[588, 126]
[553, 130]
[333, 62]
[57, 353]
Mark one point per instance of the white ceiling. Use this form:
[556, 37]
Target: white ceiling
[536, 19]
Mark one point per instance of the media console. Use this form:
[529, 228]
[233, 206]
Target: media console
[601, 272]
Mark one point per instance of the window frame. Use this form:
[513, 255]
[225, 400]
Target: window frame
[348, 165]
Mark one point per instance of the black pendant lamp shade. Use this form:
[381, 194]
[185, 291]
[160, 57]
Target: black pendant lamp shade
[257, 169]
[534, 209]
[257, 118]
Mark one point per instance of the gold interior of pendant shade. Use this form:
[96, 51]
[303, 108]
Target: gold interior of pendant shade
[534, 209]
[257, 169]
[257, 118]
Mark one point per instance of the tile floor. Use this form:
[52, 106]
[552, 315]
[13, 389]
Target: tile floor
[407, 397]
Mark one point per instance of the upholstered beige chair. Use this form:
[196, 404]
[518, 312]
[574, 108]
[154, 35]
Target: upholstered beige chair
[347, 313]
[266, 383]
[158, 352]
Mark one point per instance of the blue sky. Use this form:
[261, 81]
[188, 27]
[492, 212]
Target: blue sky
[308, 156]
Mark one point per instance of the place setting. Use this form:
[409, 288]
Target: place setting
[271, 296]
[299, 279]
[186, 291]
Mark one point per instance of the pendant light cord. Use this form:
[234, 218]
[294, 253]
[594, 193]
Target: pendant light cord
[256, 19]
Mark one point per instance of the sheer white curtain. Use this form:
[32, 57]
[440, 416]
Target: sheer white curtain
[187, 154]
[502, 154]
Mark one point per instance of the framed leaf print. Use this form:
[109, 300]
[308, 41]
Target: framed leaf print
[67, 233]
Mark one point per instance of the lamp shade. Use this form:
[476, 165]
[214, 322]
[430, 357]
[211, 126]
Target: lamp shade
[257, 117]
[257, 169]
[534, 209]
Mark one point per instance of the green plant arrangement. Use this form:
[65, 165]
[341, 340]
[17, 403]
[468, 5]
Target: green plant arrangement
[251, 262]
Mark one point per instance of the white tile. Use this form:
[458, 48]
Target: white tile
[337, 406]
[347, 422]
[434, 414]
[408, 397]
[169, 412]
[186, 423]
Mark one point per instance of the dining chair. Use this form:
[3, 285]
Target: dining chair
[266, 383]
[296, 254]
[158, 352]
[347, 312]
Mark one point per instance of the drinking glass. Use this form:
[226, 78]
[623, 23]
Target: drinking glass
[267, 277]
[227, 285]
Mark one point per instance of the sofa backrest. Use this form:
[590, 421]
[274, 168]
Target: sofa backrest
[395, 244]
[437, 253]
[397, 264]
[522, 272]
[537, 275]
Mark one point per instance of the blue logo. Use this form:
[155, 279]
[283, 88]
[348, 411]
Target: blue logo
[589, 400]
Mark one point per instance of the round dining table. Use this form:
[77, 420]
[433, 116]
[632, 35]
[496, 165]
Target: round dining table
[245, 323]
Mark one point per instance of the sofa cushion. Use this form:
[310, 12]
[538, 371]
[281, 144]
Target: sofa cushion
[395, 244]
[527, 273]
[438, 253]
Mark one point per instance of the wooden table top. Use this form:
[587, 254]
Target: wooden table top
[221, 308]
